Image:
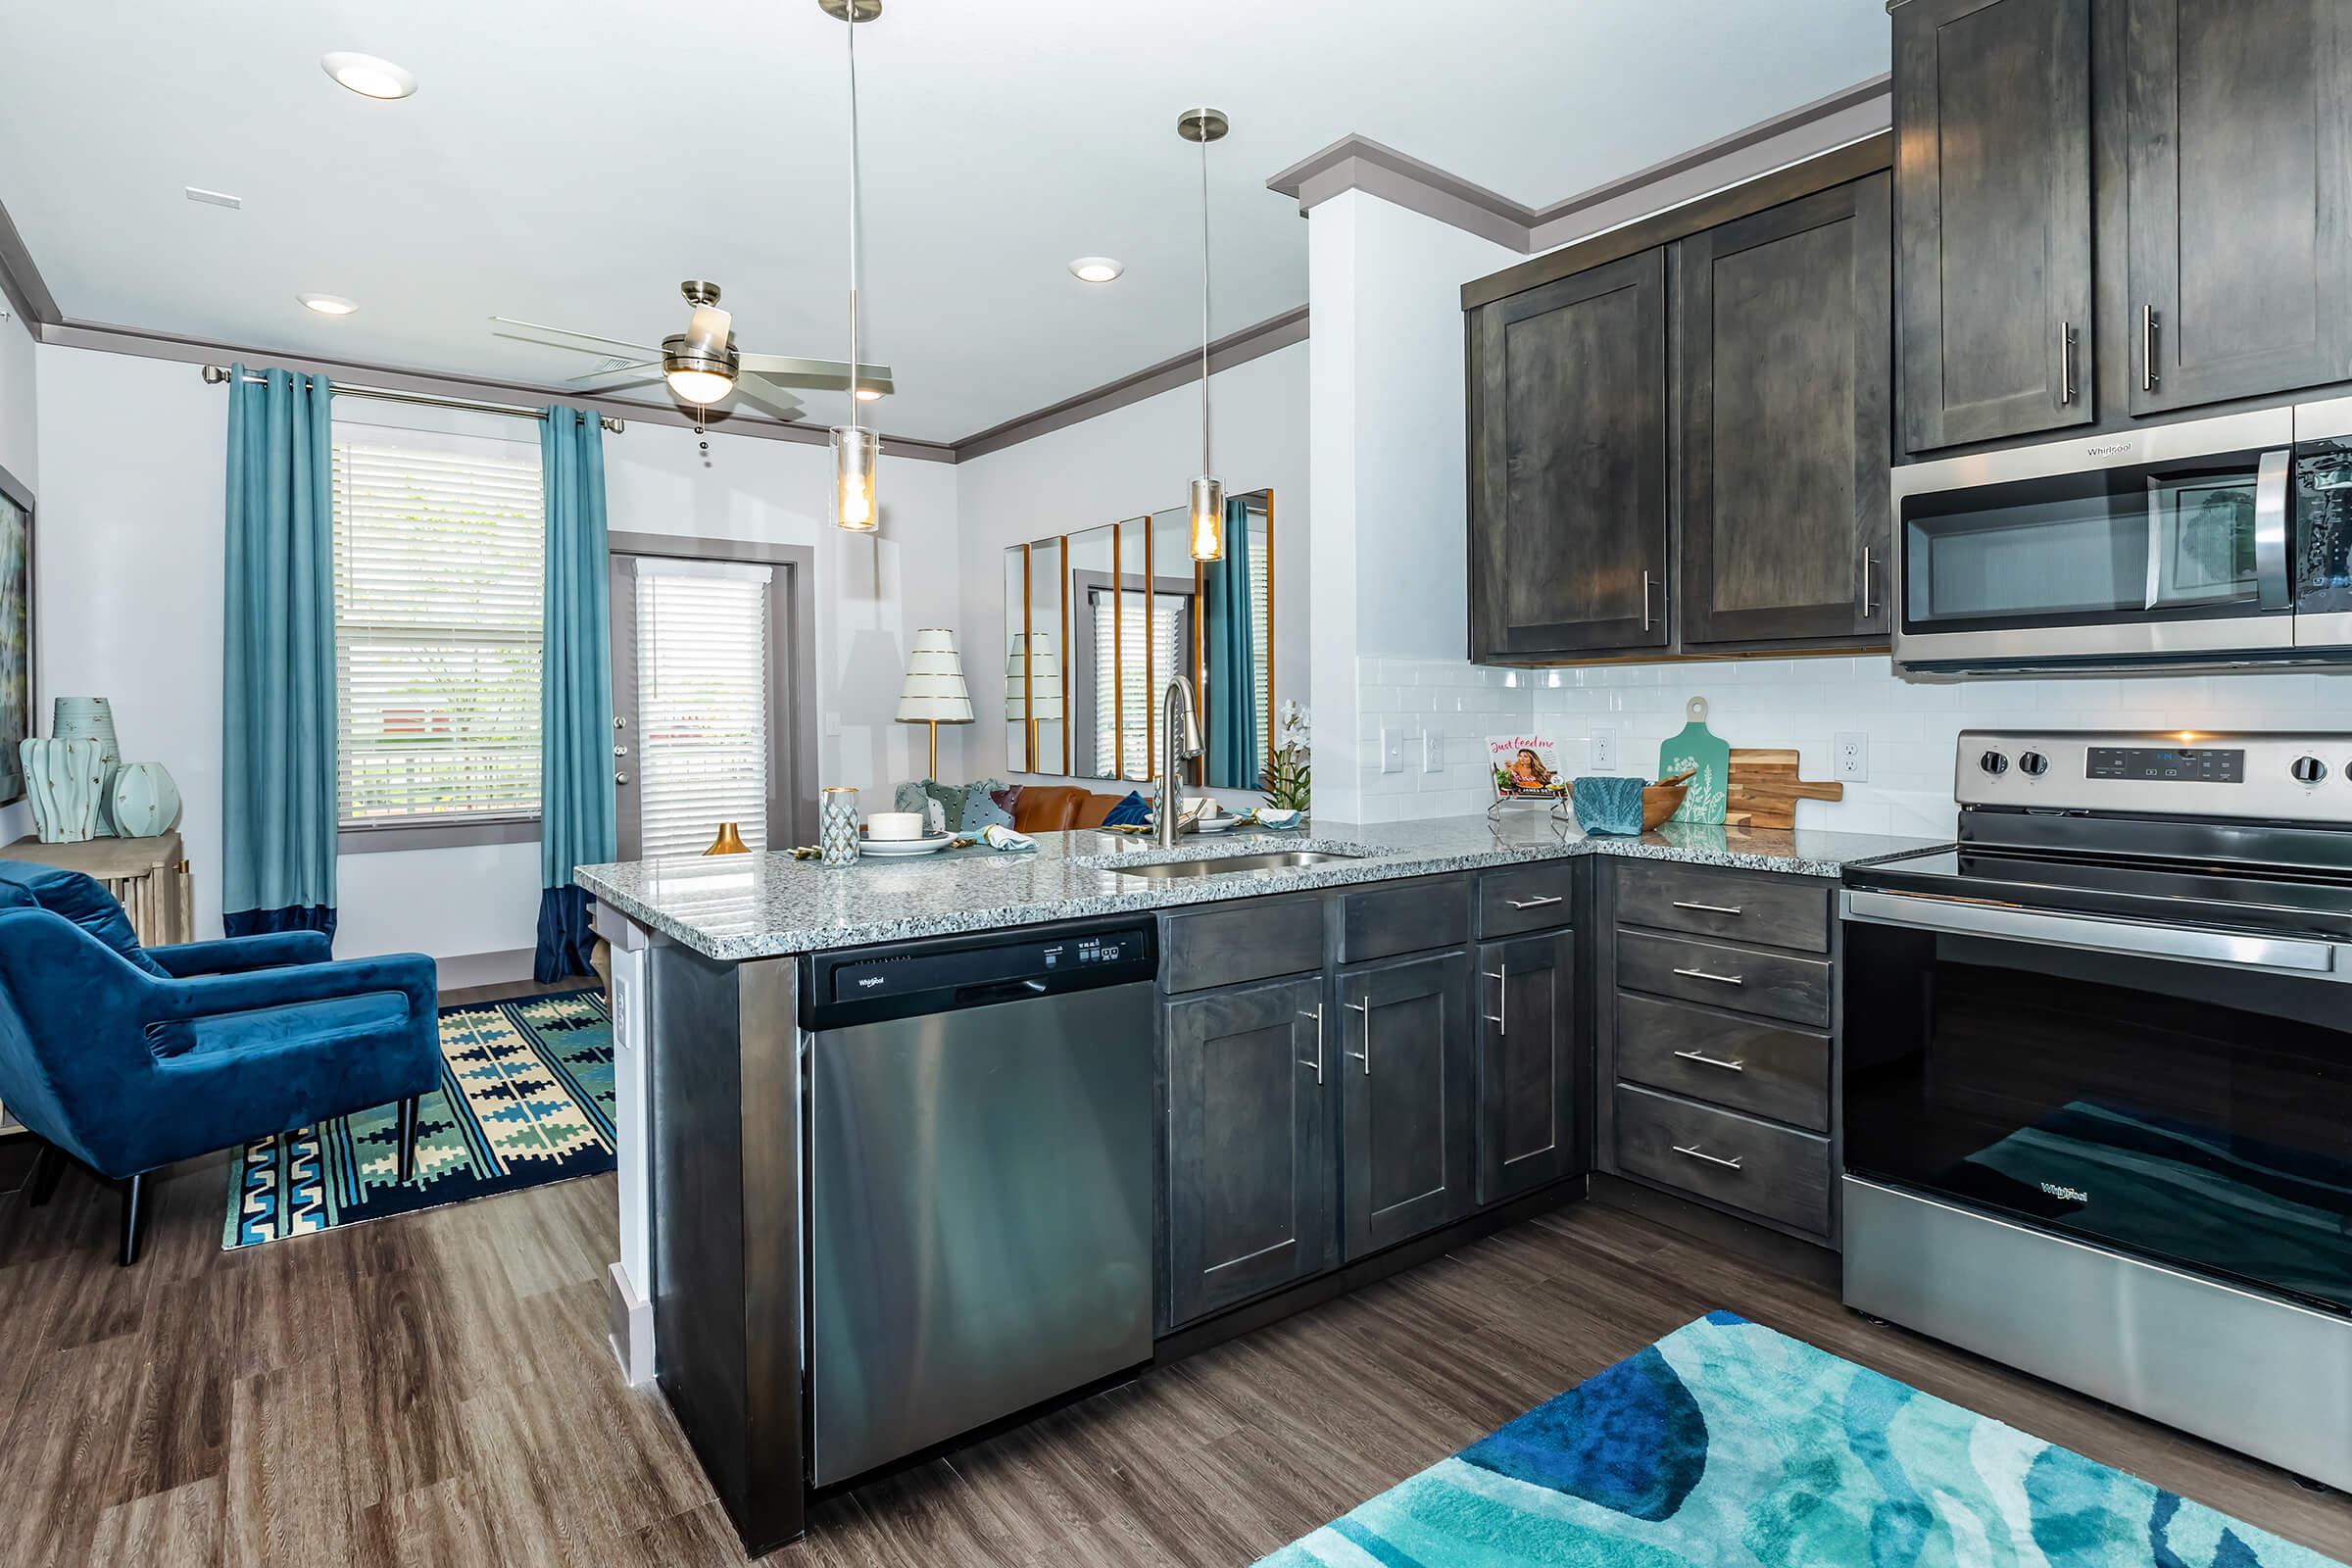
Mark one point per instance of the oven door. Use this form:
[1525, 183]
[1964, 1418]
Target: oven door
[2169, 542]
[2179, 1094]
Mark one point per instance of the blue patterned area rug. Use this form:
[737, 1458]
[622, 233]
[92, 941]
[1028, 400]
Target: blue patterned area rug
[1728, 1443]
[526, 1099]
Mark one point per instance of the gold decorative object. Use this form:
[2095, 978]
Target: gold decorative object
[728, 842]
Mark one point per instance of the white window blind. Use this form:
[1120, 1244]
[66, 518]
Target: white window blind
[438, 590]
[702, 703]
[1122, 737]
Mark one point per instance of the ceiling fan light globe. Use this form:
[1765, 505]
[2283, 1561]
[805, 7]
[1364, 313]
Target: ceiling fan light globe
[869, 394]
[699, 386]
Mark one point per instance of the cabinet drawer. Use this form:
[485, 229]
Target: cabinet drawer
[1403, 918]
[1785, 911]
[1525, 898]
[1770, 983]
[1255, 939]
[1734, 1159]
[1747, 1063]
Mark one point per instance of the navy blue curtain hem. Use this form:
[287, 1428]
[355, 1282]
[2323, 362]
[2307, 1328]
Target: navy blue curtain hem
[566, 935]
[318, 918]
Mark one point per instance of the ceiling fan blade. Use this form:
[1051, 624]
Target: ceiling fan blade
[602, 370]
[584, 342]
[821, 375]
[623, 386]
[763, 395]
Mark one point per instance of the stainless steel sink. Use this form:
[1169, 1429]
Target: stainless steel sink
[1234, 864]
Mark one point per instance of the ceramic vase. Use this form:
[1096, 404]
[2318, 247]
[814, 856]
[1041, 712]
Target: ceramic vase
[837, 827]
[92, 719]
[63, 781]
[146, 803]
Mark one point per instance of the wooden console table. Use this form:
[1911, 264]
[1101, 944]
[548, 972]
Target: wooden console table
[150, 876]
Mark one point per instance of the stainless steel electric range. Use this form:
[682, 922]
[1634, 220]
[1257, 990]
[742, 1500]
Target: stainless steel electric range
[2097, 1079]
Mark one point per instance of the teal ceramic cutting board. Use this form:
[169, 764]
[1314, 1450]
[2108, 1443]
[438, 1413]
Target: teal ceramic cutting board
[1696, 747]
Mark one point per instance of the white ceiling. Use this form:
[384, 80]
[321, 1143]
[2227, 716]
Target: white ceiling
[569, 161]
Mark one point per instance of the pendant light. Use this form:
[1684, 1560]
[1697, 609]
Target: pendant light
[1204, 126]
[855, 447]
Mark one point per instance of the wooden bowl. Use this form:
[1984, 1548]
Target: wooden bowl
[1660, 800]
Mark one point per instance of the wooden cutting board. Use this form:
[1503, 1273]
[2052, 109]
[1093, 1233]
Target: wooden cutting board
[1765, 787]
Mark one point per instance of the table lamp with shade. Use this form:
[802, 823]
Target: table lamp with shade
[933, 693]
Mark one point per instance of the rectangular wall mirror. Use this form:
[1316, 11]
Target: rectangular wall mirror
[1098, 621]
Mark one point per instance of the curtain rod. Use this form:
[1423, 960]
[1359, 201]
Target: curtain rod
[217, 376]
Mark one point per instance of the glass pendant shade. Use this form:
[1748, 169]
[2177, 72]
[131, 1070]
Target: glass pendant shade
[1208, 518]
[853, 452]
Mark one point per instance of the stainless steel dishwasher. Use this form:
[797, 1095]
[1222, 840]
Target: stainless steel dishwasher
[980, 1181]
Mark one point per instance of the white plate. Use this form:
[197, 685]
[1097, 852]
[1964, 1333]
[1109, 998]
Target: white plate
[890, 846]
[1215, 824]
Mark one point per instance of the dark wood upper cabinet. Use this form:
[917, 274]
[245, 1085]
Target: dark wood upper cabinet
[1783, 323]
[1992, 217]
[1568, 464]
[1406, 1077]
[2238, 134]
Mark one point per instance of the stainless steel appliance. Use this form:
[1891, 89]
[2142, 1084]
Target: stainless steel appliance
[980, 1181]
[2097, 1079]
[2213, 542]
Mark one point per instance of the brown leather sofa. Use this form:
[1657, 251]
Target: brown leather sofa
[1059, 808]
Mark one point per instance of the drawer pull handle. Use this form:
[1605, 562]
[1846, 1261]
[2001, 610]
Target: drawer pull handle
[1533, 903]
[1696, 1153]
[1705, 1061]
[1317, 1063]
[1364, 1056]
[1707, 908]
[1501, 1016]
[1718, 979]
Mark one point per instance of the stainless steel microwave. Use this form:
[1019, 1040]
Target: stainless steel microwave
[2211, 543]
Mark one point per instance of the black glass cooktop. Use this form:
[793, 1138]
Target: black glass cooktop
[2173, 892]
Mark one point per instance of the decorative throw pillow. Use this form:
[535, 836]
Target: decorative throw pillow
[950, 800]
[911, 797]
[1129, 813]
[84, 900]
[1009, 798]
[982, 811]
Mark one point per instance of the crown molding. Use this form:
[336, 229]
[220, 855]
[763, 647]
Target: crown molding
[21, 281]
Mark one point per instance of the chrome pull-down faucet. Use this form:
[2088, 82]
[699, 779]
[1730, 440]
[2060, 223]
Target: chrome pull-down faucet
[1181, 725]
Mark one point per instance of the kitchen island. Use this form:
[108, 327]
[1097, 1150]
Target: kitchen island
[1282, 1168]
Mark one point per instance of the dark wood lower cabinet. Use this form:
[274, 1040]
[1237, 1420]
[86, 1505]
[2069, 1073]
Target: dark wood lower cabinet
[1530, 1072]
[1406, 1082]
[1253, 1181]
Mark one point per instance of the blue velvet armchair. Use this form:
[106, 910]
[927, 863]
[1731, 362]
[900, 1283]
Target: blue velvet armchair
[129, 1059]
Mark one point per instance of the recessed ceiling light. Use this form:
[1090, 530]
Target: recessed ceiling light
[328, 303]
[1096, 269]
[368, 76]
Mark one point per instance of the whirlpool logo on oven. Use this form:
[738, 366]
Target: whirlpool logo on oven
[2073, 1194]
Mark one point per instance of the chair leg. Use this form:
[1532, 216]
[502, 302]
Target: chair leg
[135, 1217]
[40, 1183]
[407, 1138]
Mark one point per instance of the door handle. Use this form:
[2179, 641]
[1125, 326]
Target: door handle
[1364, 1056]
[1705, 1061]
[1707, 908]
[1317, 1063]
[2066, 365]
[1501, 1016]
[1646, 580]
[2137, 938]
[620, 778]
[2147, 348]
[1718, 979]
[1694, 1151]
[1869, 561]
[2270, 531]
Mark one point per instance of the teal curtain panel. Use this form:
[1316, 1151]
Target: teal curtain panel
[1234, 762]
[575, 692]
[277, 801]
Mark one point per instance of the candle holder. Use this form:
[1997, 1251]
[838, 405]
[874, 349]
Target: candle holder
[837, 826]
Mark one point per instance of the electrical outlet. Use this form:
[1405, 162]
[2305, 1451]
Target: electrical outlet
[1432, 751]
[1604, 748]
[1391, 750]
[1850, 758]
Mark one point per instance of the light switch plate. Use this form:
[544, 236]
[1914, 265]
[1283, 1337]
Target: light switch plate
[1391, 750]
[1850, 758]
[1604, 748]
[1432, 751]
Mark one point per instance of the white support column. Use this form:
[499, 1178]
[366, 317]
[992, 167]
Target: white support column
[630, 1281]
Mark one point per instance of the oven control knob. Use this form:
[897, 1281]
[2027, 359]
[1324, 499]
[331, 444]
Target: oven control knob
[1993, 762]
[2033, 764]
[2308, 769]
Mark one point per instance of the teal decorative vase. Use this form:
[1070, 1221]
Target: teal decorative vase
[92, 719]
[145, 800]
[62, 782]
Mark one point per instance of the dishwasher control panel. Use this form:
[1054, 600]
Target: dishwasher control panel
[939, 974]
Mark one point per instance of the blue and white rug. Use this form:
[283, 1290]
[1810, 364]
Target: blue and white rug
[1728, 1443]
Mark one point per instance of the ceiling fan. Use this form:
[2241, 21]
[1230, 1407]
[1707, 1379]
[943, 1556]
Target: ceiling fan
[701, 364]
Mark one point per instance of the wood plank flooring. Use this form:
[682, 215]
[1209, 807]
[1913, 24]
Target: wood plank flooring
[435, 1390]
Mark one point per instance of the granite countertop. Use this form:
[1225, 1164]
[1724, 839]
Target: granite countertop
[763, 906]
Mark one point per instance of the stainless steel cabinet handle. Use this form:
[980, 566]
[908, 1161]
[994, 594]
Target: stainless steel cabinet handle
[1696, 1153]
[1870, 561]
[2147, 348]
[1707, 908]
[2065, 364]
[1533, 903]
[1501, 1016]
[1317, 1063]
[1718, 979]
[1364, 1056]
[1705, 1061]
[1646, 580]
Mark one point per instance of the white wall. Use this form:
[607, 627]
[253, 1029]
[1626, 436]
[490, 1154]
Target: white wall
[1126, 463]
[129, 596]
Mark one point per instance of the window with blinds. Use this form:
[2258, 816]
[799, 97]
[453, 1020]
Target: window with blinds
[1122, 733]
[1261, 637]
[702, 703]
[438, 589]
